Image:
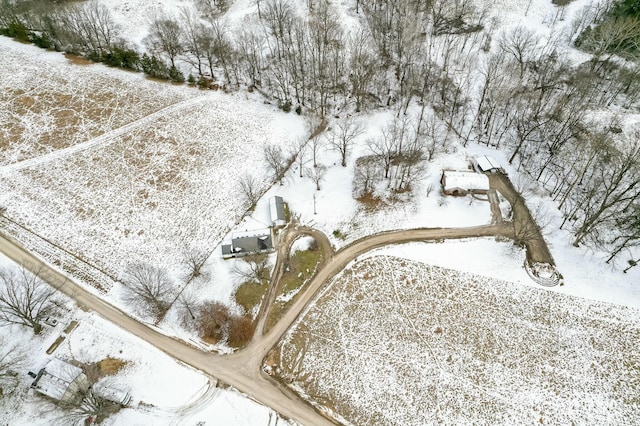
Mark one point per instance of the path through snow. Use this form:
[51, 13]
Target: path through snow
[102, 140]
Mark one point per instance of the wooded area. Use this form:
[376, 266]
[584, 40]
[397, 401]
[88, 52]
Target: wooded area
[440, 65]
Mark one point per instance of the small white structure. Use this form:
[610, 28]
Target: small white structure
[276, 210]
[486, 164]
[463, 183]
[115, 395]
[61, 381]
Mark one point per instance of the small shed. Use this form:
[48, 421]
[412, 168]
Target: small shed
[486, 164]
[463, 183]
[276, 210]
[248, 242]
[61, 381]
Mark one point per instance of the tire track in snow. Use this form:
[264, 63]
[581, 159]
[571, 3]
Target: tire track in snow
[100, 141]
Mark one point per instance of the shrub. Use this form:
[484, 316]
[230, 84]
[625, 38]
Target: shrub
[43, 40]
[176, 75]
[154, 67]
[241, 330]
[213, 318]
[16, 30]
[286, 106]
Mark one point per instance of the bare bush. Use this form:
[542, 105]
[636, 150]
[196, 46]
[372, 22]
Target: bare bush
[213, 319]
[241, 330]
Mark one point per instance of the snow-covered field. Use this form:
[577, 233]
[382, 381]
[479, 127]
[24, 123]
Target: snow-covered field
[120, 169]
[49, 103]
[394, 341]
[154, 191]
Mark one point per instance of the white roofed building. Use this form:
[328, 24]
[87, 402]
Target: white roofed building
[463, 183]
[486, 164]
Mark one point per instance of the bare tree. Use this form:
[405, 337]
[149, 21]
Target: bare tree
[317, 174]
[188, 308]
[520, 43]
[611, 190]
[11, 357]
[148, 288]
[250, 189]
[254, 267]
[384, 149]
[316, 144]
[365, 176]
[363, 67]
[89, 404]
[194, 259]
[343, 137]
[165, 37]
[276, 161]
[250, 57]
[25, 298]
[298, 151]
[193, 39]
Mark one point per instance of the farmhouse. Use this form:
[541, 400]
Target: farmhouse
[463, 183]
[248, 242]
[276, 210]
[60, 381]
[486, 164]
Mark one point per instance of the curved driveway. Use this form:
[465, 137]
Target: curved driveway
[243, 369]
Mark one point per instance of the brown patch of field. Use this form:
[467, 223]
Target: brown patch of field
[370, 202]
[78, 60]
[106, 367]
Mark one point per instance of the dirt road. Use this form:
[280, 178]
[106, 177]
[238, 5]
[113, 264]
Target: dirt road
[526, 230]
[242, 372]
[243, 369]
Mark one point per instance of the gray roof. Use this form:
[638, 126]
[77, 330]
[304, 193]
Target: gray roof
[276, 210]
[248, 242]
[253, 244]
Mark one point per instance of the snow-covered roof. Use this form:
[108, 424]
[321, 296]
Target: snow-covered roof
[468, 181]
[276, 210]
[54, 379]
[486, 163]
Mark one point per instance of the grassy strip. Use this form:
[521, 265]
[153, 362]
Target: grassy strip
[302, 267]
[249, 295]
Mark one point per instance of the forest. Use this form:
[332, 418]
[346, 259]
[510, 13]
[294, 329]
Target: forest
[446, 69]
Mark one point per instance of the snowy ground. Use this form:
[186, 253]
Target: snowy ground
[455, 348]
[147, 194]
[142, 195]
[163, 391]
[49, 103]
